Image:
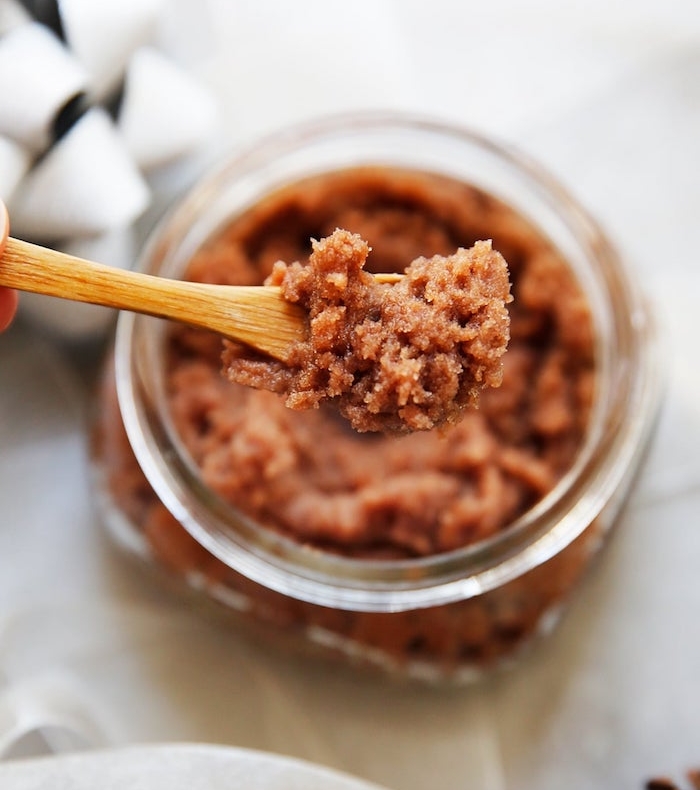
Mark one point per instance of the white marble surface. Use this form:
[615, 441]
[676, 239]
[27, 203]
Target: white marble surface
[607, 95]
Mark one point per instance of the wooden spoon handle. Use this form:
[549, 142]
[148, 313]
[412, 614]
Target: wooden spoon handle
[29, 267]
[255, 315]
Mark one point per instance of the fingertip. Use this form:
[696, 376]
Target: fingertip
[8, 297]
[4, 225]
[8, 307]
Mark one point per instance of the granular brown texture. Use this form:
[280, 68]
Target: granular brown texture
[308, 476]
[394, 358]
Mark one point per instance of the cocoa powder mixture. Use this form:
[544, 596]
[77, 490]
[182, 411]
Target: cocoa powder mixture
[399, 357]
[307, 474]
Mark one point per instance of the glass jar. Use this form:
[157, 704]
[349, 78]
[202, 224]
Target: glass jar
[447, 615]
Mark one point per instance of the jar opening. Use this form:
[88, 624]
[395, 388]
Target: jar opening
[605, 458]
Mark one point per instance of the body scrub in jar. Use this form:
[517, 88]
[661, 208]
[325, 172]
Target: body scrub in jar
[437, 554]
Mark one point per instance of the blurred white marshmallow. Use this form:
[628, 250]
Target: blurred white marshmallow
[12, 14]
[85, 185]
[103, 36]
[14, 163]
[77, 321]
[165, 113]
[38, 76]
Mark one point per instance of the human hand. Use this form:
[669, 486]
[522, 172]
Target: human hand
[8, 297]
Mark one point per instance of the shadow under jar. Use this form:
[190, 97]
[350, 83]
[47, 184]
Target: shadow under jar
[436, 555]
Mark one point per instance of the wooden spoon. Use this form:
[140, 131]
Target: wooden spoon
[256, 315]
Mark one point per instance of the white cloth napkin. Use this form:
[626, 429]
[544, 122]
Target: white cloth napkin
[175, 767]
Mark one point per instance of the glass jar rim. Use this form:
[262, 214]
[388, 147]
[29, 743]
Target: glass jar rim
[607, 453]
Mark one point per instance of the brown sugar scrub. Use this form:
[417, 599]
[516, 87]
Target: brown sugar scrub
[304, 474]
[391, 357]
[434, 554]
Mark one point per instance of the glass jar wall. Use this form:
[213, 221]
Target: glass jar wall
[435, 556]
